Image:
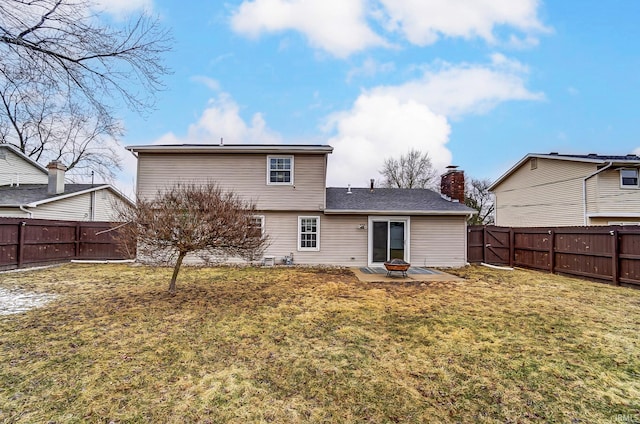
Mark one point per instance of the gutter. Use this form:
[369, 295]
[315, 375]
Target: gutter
[584, 189]
[27, 211]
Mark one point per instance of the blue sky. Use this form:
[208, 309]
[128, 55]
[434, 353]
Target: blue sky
[476, 83]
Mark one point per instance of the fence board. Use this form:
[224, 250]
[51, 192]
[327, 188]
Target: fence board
[610, 254]
[30, 242]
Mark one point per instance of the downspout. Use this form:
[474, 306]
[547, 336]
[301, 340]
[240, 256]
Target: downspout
[584, 189]
[27, 211]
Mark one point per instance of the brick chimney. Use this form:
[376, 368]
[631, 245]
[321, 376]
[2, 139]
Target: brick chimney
[56, 177]
[452, 184]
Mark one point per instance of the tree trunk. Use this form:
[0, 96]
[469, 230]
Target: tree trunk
[174, 277]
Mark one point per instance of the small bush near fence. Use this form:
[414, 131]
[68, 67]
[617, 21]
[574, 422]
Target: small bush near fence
[34, 242]
[610, 254]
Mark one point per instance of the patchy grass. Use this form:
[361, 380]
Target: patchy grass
[300, 345]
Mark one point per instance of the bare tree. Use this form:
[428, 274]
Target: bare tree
[413, 170]
[478, 197]
[190, 218]
[62, 67]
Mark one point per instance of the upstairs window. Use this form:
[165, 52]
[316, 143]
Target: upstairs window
[629, 178]
[280, 170]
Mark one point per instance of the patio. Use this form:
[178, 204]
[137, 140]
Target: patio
[371, 274]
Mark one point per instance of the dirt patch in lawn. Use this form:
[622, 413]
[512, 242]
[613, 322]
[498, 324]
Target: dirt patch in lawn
[305, 345]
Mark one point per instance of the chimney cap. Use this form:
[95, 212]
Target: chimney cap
[452, 167]
[56, 164]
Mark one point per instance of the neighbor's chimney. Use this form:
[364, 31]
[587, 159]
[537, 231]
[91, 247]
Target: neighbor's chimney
[56, 177]
[371, 182]
[452, 184]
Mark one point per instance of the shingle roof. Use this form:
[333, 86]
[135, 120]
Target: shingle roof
[31, 193]
[392, 200]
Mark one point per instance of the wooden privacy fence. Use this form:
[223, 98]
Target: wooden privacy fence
[610, 254]
[33, 242]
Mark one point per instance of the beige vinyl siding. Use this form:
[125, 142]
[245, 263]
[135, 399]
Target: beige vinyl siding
[611, 198]
[12, 213]
[434, 241]
[75, 208]
[14, 169]
[550, 195]
[438, 241]
[106, 202]
[342, 242]
[246, 174]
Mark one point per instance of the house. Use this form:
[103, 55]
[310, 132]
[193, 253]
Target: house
[569, 190]
[305, 219]
[29, 190]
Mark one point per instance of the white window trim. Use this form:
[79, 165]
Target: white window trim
[625, 186]
[407, 231]
[269, 169]
[309, 249]
[262, 221]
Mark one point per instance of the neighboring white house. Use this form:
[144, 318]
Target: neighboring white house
[29, 190]
[553, 189]
[303, 218]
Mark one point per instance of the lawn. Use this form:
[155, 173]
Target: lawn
[291, 345]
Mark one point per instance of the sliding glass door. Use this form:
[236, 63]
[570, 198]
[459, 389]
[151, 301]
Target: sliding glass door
[388, 239]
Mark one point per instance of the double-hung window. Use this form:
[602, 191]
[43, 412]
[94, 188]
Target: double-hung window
[629, 178]
[257, 225]
[280, 170]
[309, 233]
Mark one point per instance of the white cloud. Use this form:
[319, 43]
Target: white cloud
[388, 121]
[468, 88]
[337, 26]
[423, 22]
[344, 27]
[378, 127]
[221, 119]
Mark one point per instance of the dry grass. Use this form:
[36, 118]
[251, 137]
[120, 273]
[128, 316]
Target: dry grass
[302, 345]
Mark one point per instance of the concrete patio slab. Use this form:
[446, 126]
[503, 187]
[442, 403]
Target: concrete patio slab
[414, 274]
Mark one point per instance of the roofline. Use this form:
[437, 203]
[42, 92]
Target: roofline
[78, 193]
[396, 212]
[556, 157]
[613, 215]
[232, 148]
[17, 151]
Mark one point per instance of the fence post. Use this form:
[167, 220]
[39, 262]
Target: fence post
[552, 250]
[21, 231]
[615, 257]
[77, 241]
[512, 247]
[484, 243]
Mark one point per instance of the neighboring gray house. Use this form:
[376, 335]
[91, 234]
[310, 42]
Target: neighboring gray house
[29, 190]
[315, 224]
[569, 190]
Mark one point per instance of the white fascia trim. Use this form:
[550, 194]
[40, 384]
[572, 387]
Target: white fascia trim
[78, 193]
[397, 213]
[614, 215]
[233, 148]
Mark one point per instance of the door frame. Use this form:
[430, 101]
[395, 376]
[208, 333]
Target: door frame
[382, 218]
